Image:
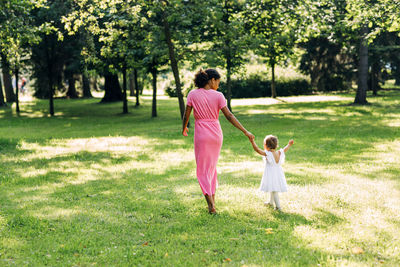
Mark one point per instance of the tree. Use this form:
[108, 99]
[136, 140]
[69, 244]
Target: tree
[111, 49]
[16, 34]
[8, 88]
[2, 102]
[370, 18]
[178, 23]
[272, 23]
[165, 13]
[329, 44]
[224, 38]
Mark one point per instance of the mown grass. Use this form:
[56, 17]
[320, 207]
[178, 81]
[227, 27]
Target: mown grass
[94, 187]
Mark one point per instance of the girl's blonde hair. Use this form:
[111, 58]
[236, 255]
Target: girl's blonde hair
[271, 141]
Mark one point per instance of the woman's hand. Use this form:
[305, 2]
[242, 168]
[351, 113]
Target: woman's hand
[185, 131]
[250, 135]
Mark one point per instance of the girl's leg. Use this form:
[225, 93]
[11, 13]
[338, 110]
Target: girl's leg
[270, 203]
[271, 199]
[276, 200]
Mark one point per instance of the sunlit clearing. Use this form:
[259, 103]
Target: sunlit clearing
[287, 99]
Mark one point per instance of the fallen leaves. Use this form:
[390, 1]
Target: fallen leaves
[145, 244]
[227, 260]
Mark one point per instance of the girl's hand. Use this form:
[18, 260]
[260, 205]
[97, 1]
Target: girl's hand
[291, 142]
[185, 131]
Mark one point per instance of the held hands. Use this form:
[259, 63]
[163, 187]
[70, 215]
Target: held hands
[185, 131]
[250, 136]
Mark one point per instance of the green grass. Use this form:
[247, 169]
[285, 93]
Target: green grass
[94, 187]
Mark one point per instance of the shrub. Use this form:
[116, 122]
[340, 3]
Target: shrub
[256, 87]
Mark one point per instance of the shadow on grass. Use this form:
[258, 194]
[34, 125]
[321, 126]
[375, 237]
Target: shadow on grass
[137, 221]
[137, 217]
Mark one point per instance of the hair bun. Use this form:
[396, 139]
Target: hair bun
[201, 78]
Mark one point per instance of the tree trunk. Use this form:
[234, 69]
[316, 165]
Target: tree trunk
[86, 86]
[375, 70]
[51, 97]
[131, 84]
[135, 78]
[49, 51]
[112, 88]
[16, 89]
[228, 81]
[361, 95]
[273, 86]
[154, 105]
[174, 63]
[8, 88]
[94, 82]
[124, 94]
[397, 81]
[71, 93]
[2, 103]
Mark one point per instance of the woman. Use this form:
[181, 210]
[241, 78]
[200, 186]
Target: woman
[207, 102]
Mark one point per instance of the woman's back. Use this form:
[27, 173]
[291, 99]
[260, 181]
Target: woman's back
[206, 103]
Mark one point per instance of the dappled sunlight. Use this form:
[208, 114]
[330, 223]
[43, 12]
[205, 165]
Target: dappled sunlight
[11, 243]
[53, 213]
[174, 158]
[248, 167]
[358, 205]
[386, 154]
[117, 145]
[392, 122]
[288, 99]
[63, 147]
[128, 184]
[28, 110]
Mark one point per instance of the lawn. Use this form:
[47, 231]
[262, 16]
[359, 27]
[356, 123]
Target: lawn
[92, 186]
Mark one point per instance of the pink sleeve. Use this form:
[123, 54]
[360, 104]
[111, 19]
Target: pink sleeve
[221, 101]
[189, 99]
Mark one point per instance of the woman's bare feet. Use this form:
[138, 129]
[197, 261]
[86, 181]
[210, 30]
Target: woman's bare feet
[211, 204]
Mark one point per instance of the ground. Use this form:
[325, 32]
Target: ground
[92, 186]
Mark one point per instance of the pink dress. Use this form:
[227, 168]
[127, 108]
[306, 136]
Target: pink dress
[207, 135]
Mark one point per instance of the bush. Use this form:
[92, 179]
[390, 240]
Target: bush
[256, 87]
[171, 91]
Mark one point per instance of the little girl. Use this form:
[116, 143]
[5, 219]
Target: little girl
[273, 179]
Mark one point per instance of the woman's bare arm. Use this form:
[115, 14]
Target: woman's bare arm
[186, 117]
[232, 119]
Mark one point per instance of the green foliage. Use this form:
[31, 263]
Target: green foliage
[57, 48]
[256, 86]
[272, 25]
[329, 64]
[17, 33]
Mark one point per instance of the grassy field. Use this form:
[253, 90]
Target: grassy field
[94, 187]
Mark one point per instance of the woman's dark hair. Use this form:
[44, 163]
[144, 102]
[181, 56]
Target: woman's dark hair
[203, 76]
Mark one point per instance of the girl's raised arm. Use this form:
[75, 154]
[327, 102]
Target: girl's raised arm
[291, 142]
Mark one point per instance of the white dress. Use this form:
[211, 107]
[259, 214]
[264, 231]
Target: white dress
[273, 179]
